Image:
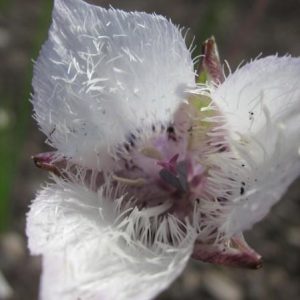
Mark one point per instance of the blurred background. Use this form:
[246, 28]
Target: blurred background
[243, 30]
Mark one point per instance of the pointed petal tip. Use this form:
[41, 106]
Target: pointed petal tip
[45, 161]
[234, 253]
[210, 63]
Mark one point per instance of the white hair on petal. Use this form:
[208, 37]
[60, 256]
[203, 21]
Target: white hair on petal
[139, 251]
[264, 136]
[105, 73]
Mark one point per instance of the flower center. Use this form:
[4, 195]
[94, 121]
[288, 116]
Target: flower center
[164, 167]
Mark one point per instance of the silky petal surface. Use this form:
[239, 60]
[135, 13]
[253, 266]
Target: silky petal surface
[89, 254]
[103, 74]
[261, 103]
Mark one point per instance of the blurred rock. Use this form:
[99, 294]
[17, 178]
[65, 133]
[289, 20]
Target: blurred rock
[4, 38]
[293, 236]
[13, 249]
[191, 280]
[5, 119]
[6, 291]
[221, 287]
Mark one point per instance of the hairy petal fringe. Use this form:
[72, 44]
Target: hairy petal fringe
[103, 74]
[261, 102]
[87, 253]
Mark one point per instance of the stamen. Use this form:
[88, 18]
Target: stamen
[132, 182]
[151, 153]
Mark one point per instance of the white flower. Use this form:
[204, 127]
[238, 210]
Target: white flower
[150, 167]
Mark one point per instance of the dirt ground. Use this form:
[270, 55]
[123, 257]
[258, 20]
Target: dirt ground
[243, 29]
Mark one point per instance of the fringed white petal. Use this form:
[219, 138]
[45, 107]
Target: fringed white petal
[261, 102]
[89, 253]
[105, 73]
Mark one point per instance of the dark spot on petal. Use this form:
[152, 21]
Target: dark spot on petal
[251, 114]
[171, 133]
[242, 191]
[222, 199]
[170, 129]
[52, 131]
[222, 149]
